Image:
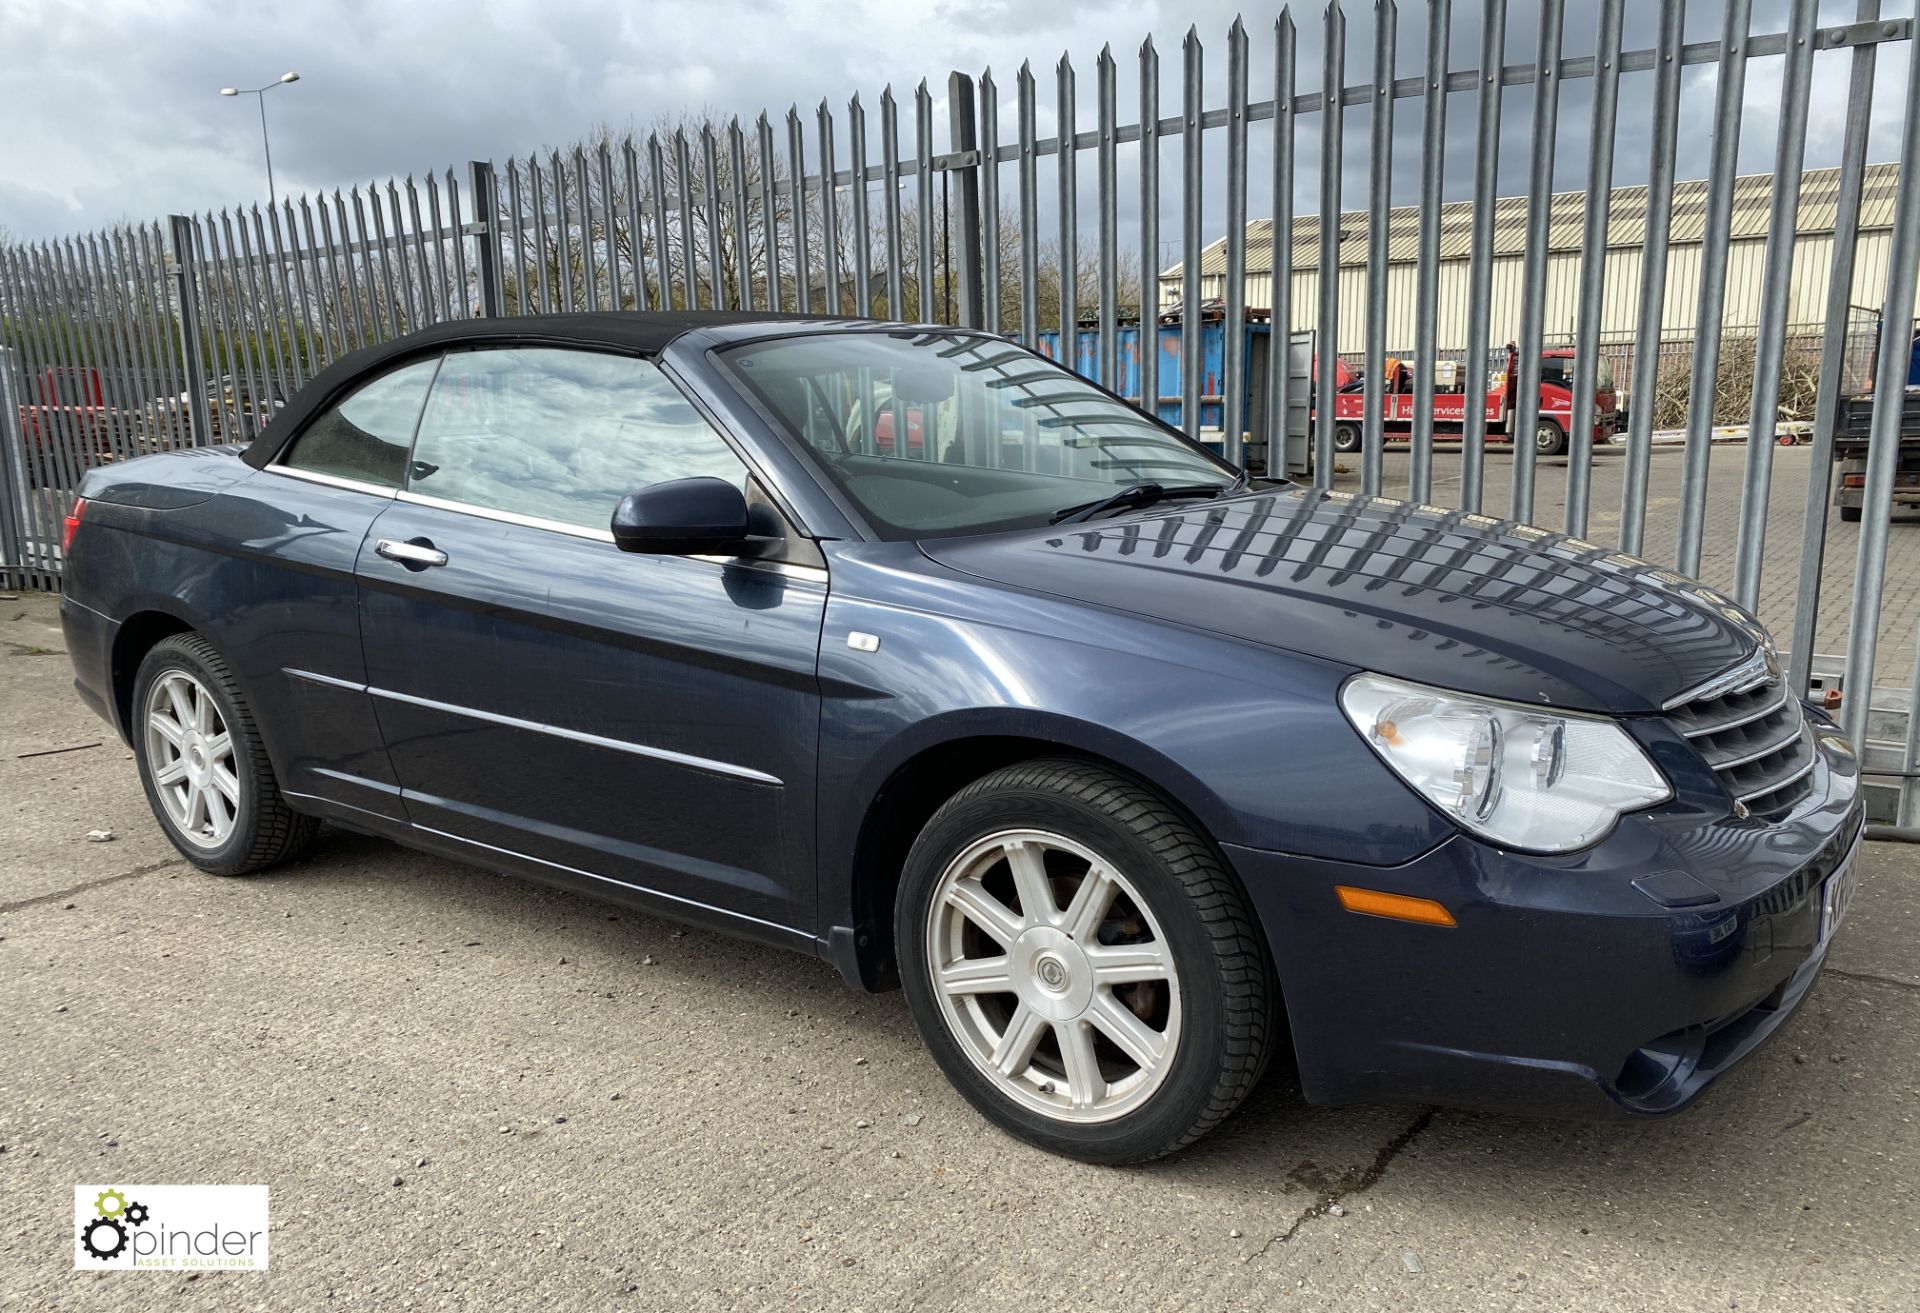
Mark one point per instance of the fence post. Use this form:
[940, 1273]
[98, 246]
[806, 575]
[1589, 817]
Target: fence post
[486, 213]
[963, 135]
[192, 353]
[14, 570]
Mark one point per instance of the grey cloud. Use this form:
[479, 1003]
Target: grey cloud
[112, 112]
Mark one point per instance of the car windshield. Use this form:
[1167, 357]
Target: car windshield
[936, 435]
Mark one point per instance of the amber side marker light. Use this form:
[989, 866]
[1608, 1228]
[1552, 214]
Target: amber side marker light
[1373, 902]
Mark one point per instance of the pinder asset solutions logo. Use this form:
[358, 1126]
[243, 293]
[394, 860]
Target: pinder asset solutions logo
[170, 1227]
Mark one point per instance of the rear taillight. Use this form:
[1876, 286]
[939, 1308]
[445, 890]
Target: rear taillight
[1853, 480]
[72, 525]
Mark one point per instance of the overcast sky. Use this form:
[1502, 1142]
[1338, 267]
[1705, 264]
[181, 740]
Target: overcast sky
[110, 110]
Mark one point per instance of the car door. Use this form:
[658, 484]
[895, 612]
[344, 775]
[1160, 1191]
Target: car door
[649, 720]
[299, 526]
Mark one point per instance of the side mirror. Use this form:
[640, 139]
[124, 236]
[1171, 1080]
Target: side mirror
[687, 517]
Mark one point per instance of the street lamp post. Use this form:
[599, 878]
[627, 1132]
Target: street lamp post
[260, 94]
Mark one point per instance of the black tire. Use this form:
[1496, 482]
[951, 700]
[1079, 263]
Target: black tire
[266, 831]
[1346, 437]
[1226, 988]
[1851, 514]
[1549, 439]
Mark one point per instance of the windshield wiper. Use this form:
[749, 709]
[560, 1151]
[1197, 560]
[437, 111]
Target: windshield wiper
[1139, 494]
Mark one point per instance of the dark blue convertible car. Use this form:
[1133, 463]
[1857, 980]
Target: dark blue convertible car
[905, 647]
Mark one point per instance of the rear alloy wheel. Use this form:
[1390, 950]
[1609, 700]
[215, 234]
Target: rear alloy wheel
[1549, 439]
[203, 765]
[1080, 964]
[191, 751]
[1346, 437]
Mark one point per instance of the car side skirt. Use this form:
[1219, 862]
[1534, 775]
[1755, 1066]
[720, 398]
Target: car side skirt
[503, 861]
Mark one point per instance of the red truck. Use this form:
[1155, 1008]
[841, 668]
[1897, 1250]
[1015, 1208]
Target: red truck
[1449, 402]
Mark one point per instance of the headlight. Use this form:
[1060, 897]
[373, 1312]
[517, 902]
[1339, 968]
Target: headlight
[1538, 780]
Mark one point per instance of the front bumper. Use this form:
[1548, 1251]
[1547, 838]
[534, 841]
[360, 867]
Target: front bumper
[1563, 988]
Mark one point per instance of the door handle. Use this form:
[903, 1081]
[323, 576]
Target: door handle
[415, 555]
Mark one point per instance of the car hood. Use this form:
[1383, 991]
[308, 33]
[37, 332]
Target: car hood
[1448, 598]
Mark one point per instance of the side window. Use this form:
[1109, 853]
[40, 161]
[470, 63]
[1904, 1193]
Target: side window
[365, 437]
[559, 435]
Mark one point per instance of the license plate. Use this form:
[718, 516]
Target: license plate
[1837, 895]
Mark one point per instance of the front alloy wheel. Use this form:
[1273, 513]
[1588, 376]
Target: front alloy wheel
[1081, 964]
[1057, 982]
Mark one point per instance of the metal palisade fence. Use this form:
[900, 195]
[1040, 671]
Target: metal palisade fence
[195, 330]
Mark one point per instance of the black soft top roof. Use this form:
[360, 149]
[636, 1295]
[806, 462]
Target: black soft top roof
[638, 333]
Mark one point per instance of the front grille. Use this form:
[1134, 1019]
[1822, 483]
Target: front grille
[1749, 728]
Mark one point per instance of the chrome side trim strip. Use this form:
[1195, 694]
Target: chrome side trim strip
[581, 736]
[317, 678]
[557, 731]
[359, 781]
[332, 480]
[67, 599]
[504, 517]
[315, 800]
[806, 572]
[648, 890]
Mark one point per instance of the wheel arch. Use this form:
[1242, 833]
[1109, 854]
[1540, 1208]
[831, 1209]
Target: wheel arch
[860, 942]
[152, 618]
[1541, 425]
[138, 635]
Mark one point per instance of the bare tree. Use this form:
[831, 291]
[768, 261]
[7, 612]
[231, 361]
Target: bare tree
[1047, 283]
[673, 209]
[942, 299]
[687, 207]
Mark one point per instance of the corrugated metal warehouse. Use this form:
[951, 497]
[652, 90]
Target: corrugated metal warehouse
[1626, 224]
